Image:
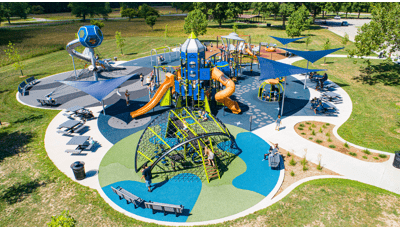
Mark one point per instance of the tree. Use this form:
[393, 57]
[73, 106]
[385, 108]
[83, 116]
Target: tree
[347, 7]
[183, 6]
[273, 8]
[358, 6]
[333, 7]
[196, 22]
[11, 9]
[82, 9]
[119, 40]
[285, 9]
[224, 10]
[235, 27]
[315, 8]
[97, 23]
[298, 22]
[146, 11]
[37, 9]
[63, 220]
[129, 13]
[259, 7]
[345, 39]
[126, 5]
[327, 46]
[14, 57]
[151, 21]
[381, 34]
[308, 41]
[204, 7]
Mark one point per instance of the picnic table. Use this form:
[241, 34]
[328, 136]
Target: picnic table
[75, 108]
[331, 94]
[318, 77]
[79, 111]
[81, 142]
[70, 126]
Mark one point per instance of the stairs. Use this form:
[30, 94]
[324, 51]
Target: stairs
[212, 172]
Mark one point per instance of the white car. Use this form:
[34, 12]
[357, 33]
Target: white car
[337, 17]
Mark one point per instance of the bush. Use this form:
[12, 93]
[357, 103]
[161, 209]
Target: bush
[63, 220]
[376, 158]
[318, 141]
[300, 128]
[292, 162]
[303, 133]
[313, 132]
[324, 126]
[97, 23]
[319, 167]
[382, 156]
[353, 154]
[37, 9]
[310, 138]
[309, 128]
[366, 151]
[327, 124]
[332, 146]
[329, 139]
[292, 173]
[313, 125]
[346, 145]
[305, 168]
[308, 123]
[328, 134]
[320, 129]
[288, 154]
[302, 125]
[365, 157]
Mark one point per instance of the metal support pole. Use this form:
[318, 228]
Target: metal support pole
[251, 120]
[283, 100]
[104, 110]
[73, 62]
[305, 79]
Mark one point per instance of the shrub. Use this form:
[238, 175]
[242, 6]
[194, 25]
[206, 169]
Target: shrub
[288, 154]
[97, 23]
[308, 123]
[353, 154]
[365, 157]
[309, 128]
[346, 145]
[376, 158]
[303, 161]
[324, 126]
[328, 134]
[313, 125]
[300, 128]
[292, 173]
[303, 133]
[329, 139]
[292, 162]
[63, 220]
[319, 167]
[366, 151]
[305, 168]
[327, 124]
[320, 130]
[318, 141]
[332, 146]
[313, 132]
[302, 125]
[382, 155]
[310, 138]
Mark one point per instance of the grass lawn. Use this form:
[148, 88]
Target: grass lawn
[32, 189]
[374, 121]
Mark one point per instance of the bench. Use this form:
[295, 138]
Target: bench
[22, 88]
[129, 197]
[63, 132]
[155, 206]
[31, 81]
[44, 102]
[74, 151]
[79, 129]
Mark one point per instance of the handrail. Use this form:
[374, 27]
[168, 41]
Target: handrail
[151, 57]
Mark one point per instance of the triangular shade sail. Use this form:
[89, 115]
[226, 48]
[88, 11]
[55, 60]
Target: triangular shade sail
[98, 89]
[285, 41]
[273, 69]
[312, 56]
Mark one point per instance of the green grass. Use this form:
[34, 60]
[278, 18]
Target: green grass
[374, 119]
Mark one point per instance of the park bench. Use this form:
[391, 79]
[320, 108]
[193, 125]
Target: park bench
[129, 197]
[44, 102]
[73, 151]
[155, 206]
[22, 87]
[31, 81]
[79, 129]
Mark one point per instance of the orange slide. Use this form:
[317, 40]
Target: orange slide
[168, 83]
[223, 96]
[250, 53]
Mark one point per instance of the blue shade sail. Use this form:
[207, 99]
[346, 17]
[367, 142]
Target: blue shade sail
[312, 56]
[98, 89]
[285, 41]
[272, 69]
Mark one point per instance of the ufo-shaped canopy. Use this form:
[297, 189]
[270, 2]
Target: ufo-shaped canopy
[193, 45]
[233, 36]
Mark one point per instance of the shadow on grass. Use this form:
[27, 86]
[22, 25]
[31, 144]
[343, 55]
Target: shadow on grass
[385, 72]
[29, 119]
[13, 143]
[19, 191]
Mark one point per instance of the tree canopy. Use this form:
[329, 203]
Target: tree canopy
[184, 6]
[151, 20]
[196, 22]
[221, 11]
[12, 9]
[382, 33]
[286, 9]
[82, 9]
[298, 22]
[128, 13]
[146, 11]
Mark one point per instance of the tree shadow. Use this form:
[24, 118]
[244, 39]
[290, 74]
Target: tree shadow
[29, 119]
[385, 72]
[13, 143]
[19, 191]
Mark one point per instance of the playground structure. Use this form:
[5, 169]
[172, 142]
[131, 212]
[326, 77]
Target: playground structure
[271, 90]
[194, 82]
[174, 143]
[89, 37]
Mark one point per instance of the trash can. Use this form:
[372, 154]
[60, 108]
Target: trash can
[78, 167]
[396, 162]
[115, 58]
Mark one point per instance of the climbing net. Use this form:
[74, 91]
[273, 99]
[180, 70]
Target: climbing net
[174, 143]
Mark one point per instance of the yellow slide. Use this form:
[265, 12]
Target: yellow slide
[223, 95]
[168, 83]
[250, 53]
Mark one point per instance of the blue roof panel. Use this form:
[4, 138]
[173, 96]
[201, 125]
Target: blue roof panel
[312, 56]
[285, 41]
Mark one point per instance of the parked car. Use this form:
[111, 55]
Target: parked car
[337, 17]
[344, 23]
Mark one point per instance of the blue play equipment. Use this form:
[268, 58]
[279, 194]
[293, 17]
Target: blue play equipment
[90, 36]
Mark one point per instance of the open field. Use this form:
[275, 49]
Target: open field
[374, 121]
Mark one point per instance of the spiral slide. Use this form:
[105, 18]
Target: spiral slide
[168, 83]
[250, 53]
[223, 96]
